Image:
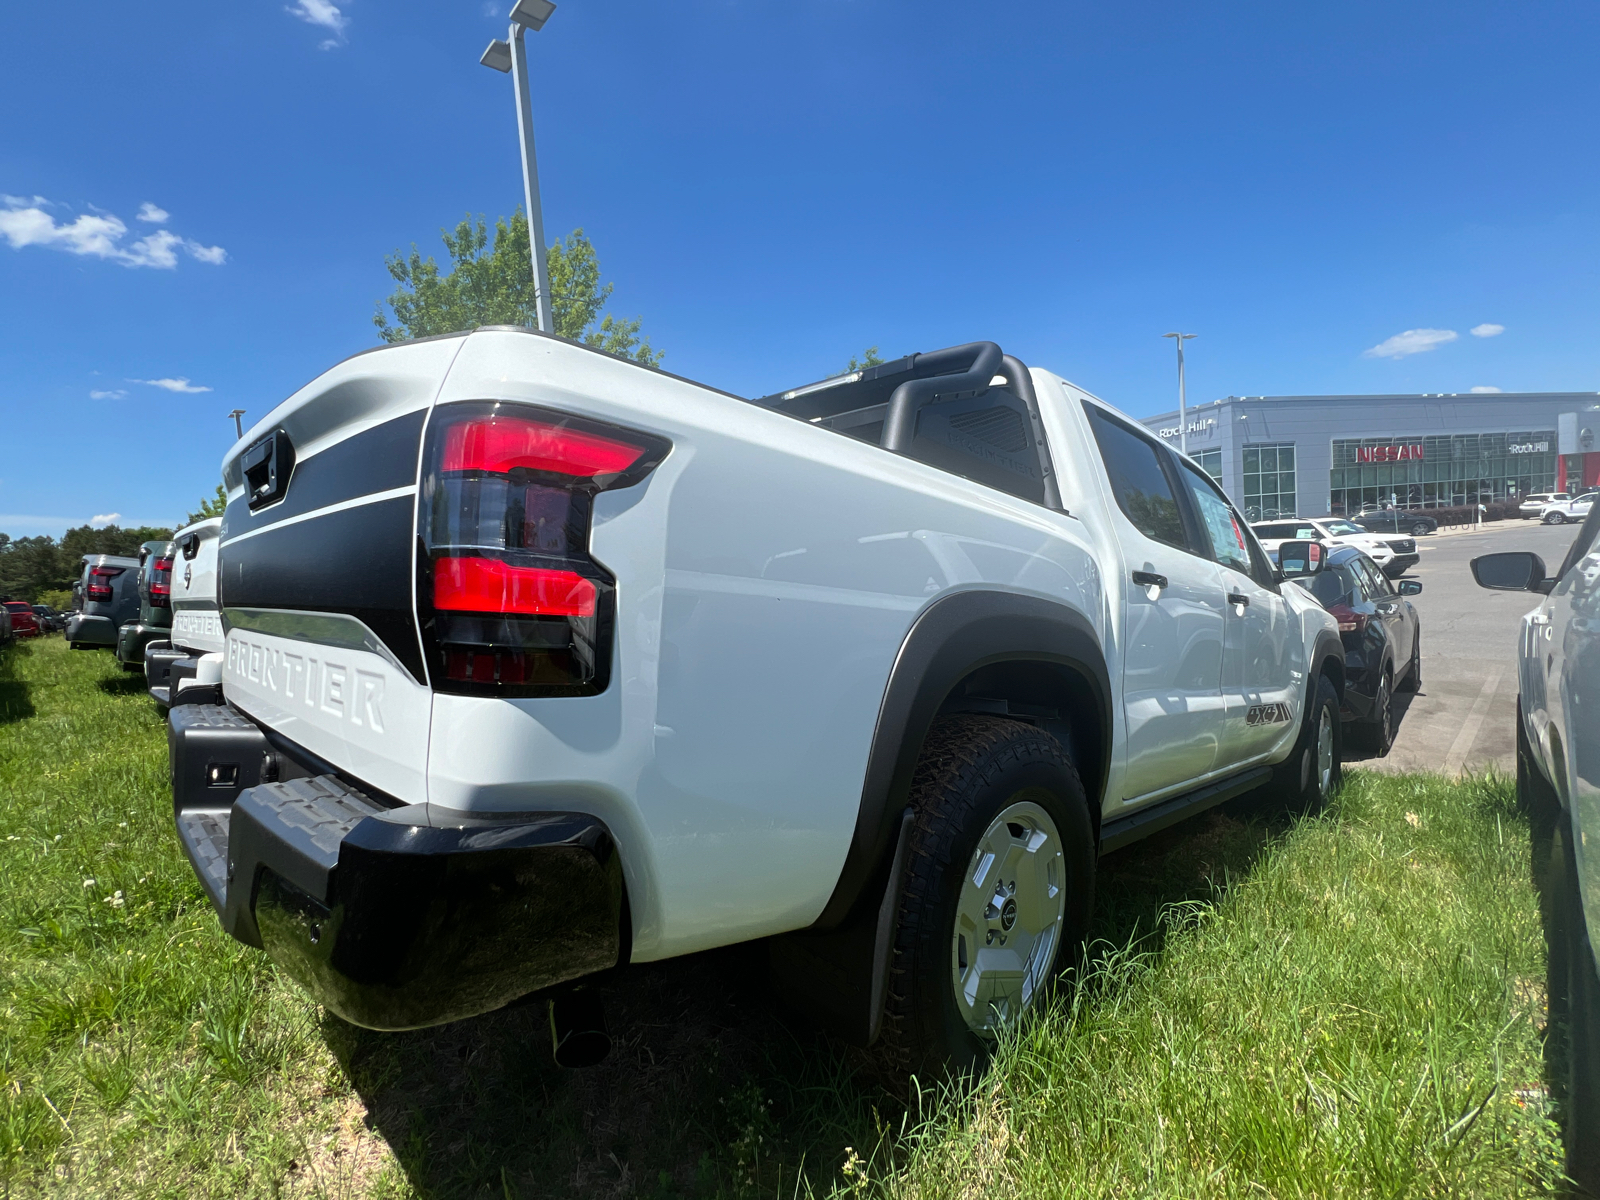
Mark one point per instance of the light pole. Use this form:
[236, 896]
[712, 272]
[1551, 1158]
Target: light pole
[238, 428]
[512, 55]
[1183, 414]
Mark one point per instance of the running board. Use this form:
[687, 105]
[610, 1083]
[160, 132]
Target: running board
[1124, 830]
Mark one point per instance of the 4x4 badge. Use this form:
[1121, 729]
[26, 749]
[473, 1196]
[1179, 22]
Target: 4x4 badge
[188, 574]
[1267, 714]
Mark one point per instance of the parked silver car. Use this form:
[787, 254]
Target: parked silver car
[1558, 779]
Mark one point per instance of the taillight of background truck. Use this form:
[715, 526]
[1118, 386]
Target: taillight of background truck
[1350, 621]
[510, 600]
[161, 583]
[100, 578]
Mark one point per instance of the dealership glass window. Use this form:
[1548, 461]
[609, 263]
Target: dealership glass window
[1209, 461]
[1463, 468]
[1269, 490]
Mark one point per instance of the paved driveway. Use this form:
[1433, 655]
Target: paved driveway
[1465, 716]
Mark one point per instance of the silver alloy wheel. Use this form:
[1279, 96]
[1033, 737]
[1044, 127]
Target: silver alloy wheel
[1008, 918]
[1324, 752]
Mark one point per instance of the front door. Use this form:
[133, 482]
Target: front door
[1173, 612]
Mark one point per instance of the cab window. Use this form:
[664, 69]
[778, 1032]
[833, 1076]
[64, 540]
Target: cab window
[1217, 520]
[1143, 491]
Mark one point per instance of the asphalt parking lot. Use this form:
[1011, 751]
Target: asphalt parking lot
[1464, 719]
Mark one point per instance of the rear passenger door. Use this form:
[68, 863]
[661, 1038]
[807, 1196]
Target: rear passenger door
[1262, 664]
[1173, 612]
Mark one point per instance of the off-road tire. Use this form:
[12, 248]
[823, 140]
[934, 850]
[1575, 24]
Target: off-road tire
[971, 769]
[1297, 784]
[1535, 794]
[1413, 680]
[1574, 1012]
[1377, 732]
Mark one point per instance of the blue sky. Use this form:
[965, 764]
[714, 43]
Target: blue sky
[773, 187]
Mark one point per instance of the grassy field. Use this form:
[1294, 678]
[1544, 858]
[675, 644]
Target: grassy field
[1348, 1005]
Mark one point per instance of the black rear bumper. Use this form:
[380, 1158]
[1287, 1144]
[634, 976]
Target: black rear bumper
[393, 918]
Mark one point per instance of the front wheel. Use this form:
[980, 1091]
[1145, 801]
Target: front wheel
[1413, 679]
[1306, 780]
[999, 886]
[1418, 529]
[1575, 995]
[1555, 519]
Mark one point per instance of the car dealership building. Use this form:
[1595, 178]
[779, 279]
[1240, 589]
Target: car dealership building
[1311, 455]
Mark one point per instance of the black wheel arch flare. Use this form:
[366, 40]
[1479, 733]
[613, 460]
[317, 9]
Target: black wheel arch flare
[951, 639]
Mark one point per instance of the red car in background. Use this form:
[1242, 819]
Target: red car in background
[24, 621]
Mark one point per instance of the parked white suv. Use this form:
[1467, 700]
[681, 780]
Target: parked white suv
[1558, 780]
[1559, 512]
[1394, 555]
[1533, 505]
[539, 662]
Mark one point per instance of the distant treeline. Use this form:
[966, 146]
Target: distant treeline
[33, 566]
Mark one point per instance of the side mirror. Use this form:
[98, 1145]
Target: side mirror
[1411, 587]
[1297, 559]
[1513, 571]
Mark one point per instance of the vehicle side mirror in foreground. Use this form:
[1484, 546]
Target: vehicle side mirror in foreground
[1411, 587]
[1513, 571]
[1297, 559]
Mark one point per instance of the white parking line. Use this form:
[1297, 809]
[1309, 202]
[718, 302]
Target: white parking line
[1462, 746]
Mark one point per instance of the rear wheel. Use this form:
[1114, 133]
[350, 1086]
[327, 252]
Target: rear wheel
[1307, 779]
[999, 885]
[1378, 730]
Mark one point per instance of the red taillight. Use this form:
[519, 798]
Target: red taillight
[161, 583]
[487, 585]
[502, 444]
[518, 605]
[100, 578]
[1350, 621]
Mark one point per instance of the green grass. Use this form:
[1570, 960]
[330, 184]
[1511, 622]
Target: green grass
[1343, 1006]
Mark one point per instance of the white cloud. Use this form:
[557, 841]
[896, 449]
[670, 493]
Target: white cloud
[104, 518]
[323, 15]
[1485, 389]
[1412, 341]
[1487, 330]
[112, 394]
[153, 214]
[24, 222]
[215, 255]
[179, 384]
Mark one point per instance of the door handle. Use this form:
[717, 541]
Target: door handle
[1236, 598]
[1149, 579]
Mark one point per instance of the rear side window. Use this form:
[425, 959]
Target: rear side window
[1143, 491]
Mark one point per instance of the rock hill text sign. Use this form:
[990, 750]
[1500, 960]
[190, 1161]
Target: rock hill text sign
[1395, 452]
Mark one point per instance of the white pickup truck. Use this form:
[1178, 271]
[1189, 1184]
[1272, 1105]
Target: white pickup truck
[539, 662]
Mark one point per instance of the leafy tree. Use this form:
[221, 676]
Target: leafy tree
[213, 506]
[33, 567]
[111, 539]
[494, 286]
[869, 358]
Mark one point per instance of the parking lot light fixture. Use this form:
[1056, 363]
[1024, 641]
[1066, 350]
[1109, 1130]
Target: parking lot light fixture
[512, 55]
[238, 426]
[1183, 417]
